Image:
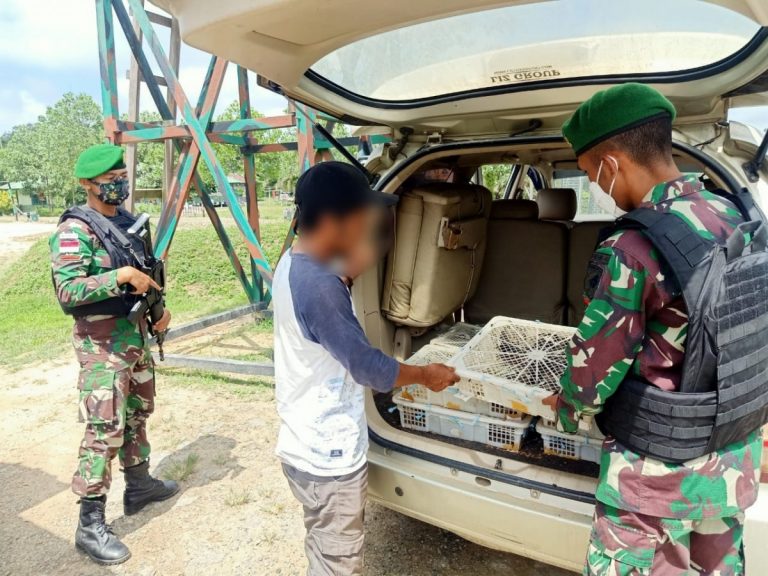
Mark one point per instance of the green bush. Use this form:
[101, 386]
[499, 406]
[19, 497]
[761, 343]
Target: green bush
[48, 211]
[151, 208]
[6, 204]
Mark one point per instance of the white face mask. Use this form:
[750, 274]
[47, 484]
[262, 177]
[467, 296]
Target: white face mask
[604, 199]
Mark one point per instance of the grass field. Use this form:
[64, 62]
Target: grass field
[201, 281]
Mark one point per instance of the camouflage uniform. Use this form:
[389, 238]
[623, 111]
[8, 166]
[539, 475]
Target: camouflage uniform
[628, 544]
[117, 381]
[653, 515]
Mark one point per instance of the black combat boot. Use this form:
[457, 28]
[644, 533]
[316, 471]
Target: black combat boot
[141, 489]
[94, 536]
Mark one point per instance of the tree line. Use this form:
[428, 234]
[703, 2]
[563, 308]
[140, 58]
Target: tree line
[40, 156]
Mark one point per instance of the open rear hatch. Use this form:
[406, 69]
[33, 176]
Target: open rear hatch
[483, 67]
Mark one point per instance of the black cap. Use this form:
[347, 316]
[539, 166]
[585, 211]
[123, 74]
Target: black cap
[335, 188]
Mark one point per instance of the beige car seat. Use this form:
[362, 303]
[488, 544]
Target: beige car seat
[435, 263]
[582, 243]
[525, 266]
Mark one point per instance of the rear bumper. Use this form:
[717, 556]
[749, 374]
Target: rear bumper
[547, 527]
[524, 521]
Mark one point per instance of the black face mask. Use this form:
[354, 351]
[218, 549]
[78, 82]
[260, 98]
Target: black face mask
[113, 193]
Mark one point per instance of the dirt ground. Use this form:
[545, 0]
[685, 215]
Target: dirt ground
[17, 237]
[234, 515]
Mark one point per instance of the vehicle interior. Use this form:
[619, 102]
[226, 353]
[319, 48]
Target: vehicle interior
[525, 229]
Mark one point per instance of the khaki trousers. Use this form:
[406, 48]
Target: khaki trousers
[333, 516]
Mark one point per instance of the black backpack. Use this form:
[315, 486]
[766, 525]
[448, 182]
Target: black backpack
[723, 395]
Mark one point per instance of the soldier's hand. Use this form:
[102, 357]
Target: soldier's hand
[438, 377]
[162, 324]
[141, 282]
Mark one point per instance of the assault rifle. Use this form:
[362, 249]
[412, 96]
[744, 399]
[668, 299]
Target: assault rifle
[152, 303]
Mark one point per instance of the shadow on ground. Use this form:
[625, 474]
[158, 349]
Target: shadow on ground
[21, 539]
[124, 525]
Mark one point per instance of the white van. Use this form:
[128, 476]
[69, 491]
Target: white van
[475, 92]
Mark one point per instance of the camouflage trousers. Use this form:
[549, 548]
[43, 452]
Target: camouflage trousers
[115, 401]
[629, 544]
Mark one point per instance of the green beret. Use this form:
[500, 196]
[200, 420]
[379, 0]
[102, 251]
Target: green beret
[97, 160]
[613, 111]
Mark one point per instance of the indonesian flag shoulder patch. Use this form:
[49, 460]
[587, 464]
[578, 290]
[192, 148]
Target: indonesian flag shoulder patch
[69, 243]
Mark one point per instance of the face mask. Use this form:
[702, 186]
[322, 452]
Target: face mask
[604, 199]
[114, 193]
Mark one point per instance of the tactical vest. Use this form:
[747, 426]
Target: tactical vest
[723, 394]
[121, 253]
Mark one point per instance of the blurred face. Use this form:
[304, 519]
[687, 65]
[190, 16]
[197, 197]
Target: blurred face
[353, 231]
[348, 241]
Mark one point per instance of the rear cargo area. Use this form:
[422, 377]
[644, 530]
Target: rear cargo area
[492, 287]
[467, 421]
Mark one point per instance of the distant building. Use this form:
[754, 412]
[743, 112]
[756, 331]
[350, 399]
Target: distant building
[22, 196]
[237, 182]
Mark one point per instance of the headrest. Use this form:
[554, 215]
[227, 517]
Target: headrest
[556, 203]
[514, 210]
[471, 198]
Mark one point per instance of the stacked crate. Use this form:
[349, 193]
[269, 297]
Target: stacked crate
[514, 363]
[451, 412]
[506, 368]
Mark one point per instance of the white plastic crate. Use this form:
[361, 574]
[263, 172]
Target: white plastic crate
[514, 363]
[572, 446]
[430, 354]
[505, 434]
[457, 335]
[451, 397]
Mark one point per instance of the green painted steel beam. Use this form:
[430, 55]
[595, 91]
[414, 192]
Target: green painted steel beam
[106, 38]
[292, 146]
[187, 167]
[197, 129]
[210, 209]
[253, 124]
[249, 171]
[188, 161]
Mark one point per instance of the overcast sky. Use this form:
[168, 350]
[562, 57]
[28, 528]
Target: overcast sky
[49, 47]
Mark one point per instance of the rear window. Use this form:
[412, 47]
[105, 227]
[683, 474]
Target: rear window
[537, 42]
[496, 177]
[586, 207]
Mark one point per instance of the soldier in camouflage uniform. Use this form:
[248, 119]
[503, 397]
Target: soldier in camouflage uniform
[116, 382]
[651, 517]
